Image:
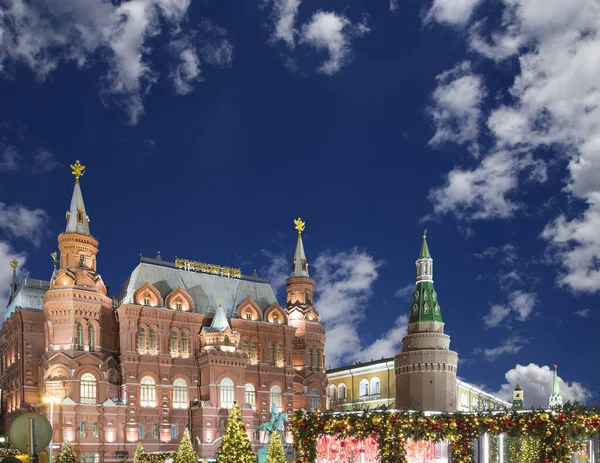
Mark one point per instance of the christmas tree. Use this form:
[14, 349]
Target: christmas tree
[66, 454]
[139, 451]
[276, 454]
[235, 447]
[185, 451]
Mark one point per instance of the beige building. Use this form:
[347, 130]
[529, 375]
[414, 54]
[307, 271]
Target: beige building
[423, 375]
[373, 384]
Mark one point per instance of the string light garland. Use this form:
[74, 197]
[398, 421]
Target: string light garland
[161, 457]
[548, 437]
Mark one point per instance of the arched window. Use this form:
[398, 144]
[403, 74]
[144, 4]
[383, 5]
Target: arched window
[92, 337]
[250, 396]
[315, 400]
[342, 391]
[80, 336]
[88, 389]
[271, 355]
[276, 397]
[184, 345]
[148, 392]
[227, 393]
[245, 346]
[180, 393]
[317, 360]
[279, 355]
[152, 341]
[309, 358]
[375, 386]
[142, 341]
[253, 352]
[364, 388]
[332, 393]
[174, 344]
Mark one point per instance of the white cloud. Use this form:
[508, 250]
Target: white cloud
[536, 382]
[456, 107]
[394, 5]
[406, 291]
[583, 313]
[278, 270]
[21, 222]
[43, 161]
[388, 345]
[454, 12]
[333, 33]
[520, 304]
[6, 255]
[284, 15]
[510, 345]
[186, 72]
[345, 283]
[9, 159]
[507, 254]
[44, 34]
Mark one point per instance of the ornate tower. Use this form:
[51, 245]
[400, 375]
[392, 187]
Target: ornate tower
[426, 368]
[80, 322]
[518, 398]
[13, 284]
[308, 357]
[555, 400]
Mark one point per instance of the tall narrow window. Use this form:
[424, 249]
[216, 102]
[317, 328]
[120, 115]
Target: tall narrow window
[315, 400]
[178, 306]
[342, 391]
[148, 392]
[364, 388]
[88, 389]
[154, 430]
[79, 216]
[184, 345]
[83, 429]
[80, 336]
[152, 341]
[142, 341]
[180, 393]
[276, 397]
[92, 337]
[271, 355]
[174, 431]
[142, 434]
[316, 359]
[253, 352]
[375, 386]
[279, 355]
[250, 395]
[245, 346]
[146, 299]
[81, 260]
[95, 429]
[332, 393]
[227, 393]
[174, 344]
[309, 358]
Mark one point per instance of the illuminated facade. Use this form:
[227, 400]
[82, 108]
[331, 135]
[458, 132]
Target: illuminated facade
[182, 342]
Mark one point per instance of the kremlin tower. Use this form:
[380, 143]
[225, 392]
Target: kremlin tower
[426, 367]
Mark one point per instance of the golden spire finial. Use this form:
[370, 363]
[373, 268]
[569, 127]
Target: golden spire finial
[78, 170]
[425, 233]
[14, 264]
[54, 256]
[220, 300]
[299, 225]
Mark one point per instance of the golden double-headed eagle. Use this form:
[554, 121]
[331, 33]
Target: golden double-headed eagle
[299, 225]
[78, 170]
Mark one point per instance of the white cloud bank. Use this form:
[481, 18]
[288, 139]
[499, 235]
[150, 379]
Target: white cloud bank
[45, 33]
[520, 304]
[536, 382]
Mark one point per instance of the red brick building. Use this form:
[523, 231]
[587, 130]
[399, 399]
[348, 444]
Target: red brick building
[174, 350]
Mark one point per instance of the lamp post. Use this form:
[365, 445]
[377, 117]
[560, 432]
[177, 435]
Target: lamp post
[51, 400]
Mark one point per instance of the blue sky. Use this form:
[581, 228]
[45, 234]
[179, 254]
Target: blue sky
[207, 127]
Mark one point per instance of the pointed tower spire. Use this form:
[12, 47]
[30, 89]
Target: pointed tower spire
[13, 284]
[77, 219]
[425, 307]
[220, 321]
[555, 397]
[299, 264]
[518, 399]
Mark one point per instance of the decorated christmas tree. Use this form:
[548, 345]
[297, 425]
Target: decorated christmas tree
[139, 451]
[185, 451]
[235, 447]
[66, 454]
[276, 454]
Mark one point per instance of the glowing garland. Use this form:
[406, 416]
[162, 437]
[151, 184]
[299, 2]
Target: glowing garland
[554, 436]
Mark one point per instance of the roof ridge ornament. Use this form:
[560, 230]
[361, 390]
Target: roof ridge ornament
[78, 170]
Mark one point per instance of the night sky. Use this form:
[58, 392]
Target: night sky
[206, 127]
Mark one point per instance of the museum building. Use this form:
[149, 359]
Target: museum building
[181, 343]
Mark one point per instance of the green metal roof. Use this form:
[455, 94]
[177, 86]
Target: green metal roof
[425, 306]
[424, 254]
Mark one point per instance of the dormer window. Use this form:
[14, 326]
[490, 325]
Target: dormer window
[248, 316]
[81, 260]
[146, 299]
[79, 216]
[178, 306]
[276, 319]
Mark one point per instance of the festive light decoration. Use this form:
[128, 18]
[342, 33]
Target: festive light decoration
[276, 453]
[546, 437]
[235, 447]
[185, 451]
[160, 457]
[66, 454]
[138, 457]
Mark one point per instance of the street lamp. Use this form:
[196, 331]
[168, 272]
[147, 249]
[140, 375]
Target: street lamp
[51, 401]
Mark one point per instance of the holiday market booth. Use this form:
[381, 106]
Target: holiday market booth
[563, 435]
